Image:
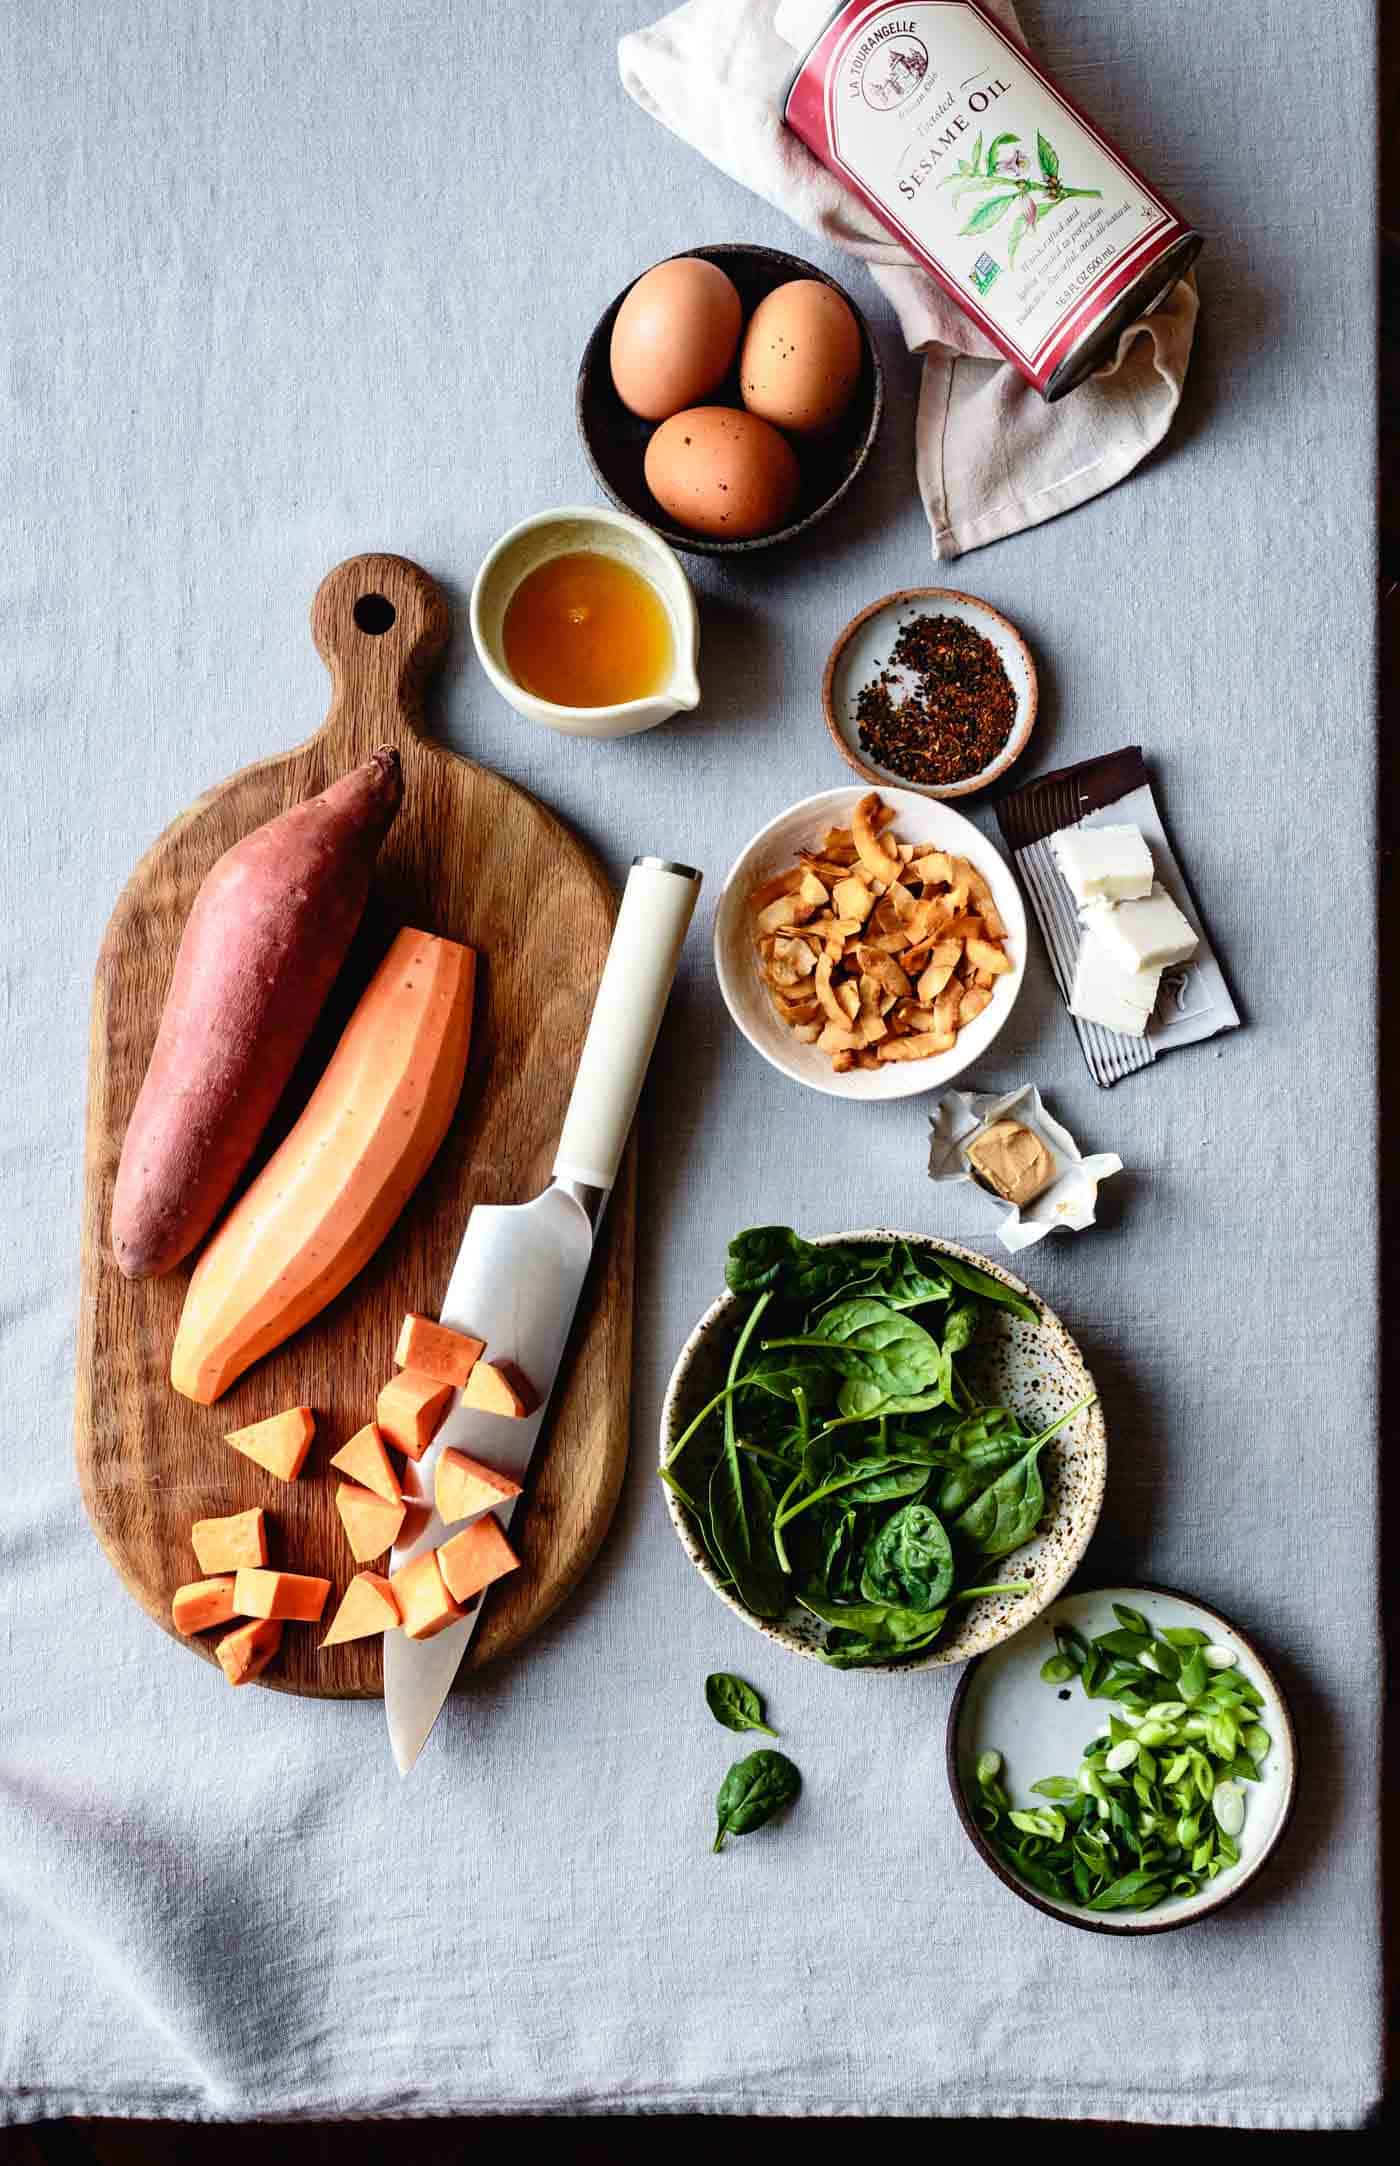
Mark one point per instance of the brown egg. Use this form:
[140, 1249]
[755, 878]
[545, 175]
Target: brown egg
[720, 471]
[801, 357]
[674, 337]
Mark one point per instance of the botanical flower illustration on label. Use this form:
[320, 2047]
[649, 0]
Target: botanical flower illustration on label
[965, 149]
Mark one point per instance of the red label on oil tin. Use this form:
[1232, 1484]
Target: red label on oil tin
[1024, 212]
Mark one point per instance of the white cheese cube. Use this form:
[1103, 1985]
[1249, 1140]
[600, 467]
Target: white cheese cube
[1111, 862]
[1110, 992]
[1145, 934]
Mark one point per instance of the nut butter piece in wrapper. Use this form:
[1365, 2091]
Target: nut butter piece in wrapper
[978, 1138]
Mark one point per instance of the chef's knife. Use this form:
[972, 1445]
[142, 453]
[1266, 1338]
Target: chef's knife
[521, 1267]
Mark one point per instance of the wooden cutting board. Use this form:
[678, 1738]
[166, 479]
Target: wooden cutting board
[474, 858]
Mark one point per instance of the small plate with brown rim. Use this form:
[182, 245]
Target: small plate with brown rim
[861, 656]
[1041, 1729]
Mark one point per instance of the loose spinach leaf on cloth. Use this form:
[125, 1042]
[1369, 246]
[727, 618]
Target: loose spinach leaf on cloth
[734, 1702]
[752, 1791]
[846, 1456]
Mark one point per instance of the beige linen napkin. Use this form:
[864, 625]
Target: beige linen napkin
[990, 456]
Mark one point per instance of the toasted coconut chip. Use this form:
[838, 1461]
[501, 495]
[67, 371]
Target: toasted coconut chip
[825, 994]
[782, 883]
[925, 920]
[853, 898]
[933, 868]
[842, 1061]
[985, 979]
[974, 1000]
[848, 999]
[921, 1047]
[813, 891]
[879, 861]
[933, 979]
[870, 1058]
[807, 1033]
[797, 1011]
[964, 927]
[787, 910]
[836, 1038]
[883, 967]
[796, 954]
[912, 1015]
[945, 1008]
[986, 955]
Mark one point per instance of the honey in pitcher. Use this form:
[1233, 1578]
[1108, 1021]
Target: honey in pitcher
[586, 630]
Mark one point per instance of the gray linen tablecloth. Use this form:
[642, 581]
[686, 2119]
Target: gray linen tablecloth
[284, 280]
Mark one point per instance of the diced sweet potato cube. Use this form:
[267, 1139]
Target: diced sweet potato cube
[222, 1545]
[473, 1558]
[425, 1605]
[465, 1487]
[431, 1347]
[497, 1387]
[371, 1523]
[410, 1409]
[366, 1461]
[366, 1607]
[295, 1595]
[245, 1653]
[202, 1603]
[280, 1443]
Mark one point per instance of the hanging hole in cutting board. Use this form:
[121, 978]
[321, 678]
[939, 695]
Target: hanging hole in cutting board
[374, 613]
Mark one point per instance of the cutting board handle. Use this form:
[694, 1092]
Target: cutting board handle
[379, 624]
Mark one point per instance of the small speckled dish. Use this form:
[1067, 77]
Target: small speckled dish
[1003, 1705]
[863, 650]
[615, 441]
[1035, 1368]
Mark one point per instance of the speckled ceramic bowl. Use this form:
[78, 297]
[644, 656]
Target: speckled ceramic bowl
[1035, 1368]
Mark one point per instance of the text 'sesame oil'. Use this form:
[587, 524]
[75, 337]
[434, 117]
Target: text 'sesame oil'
[1025, 213]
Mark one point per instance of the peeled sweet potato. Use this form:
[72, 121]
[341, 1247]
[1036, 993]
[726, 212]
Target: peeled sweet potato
[330, 1193]
[269, 929]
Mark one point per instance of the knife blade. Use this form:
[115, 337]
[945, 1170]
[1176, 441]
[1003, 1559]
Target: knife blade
[521, 1267]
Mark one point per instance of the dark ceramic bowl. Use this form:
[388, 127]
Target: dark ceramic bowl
[616, 440]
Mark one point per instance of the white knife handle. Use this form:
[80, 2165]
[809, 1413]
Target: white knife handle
[657, 904]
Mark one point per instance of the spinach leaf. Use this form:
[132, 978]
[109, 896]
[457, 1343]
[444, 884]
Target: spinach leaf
[959, 1329]
[909, 1560]
[897, 1354]
[742, 1538]
[983, 1284]
[884, 1482]
[752, 1791]
[1006, 1514]
[735, 1703]
[911, 1283]
[758, 1258]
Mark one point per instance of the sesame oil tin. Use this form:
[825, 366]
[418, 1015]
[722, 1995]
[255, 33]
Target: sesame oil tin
[1008, 195]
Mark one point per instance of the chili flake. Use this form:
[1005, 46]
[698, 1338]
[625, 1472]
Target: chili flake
[950, 713]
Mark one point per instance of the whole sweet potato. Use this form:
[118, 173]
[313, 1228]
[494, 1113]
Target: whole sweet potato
[270, 928]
